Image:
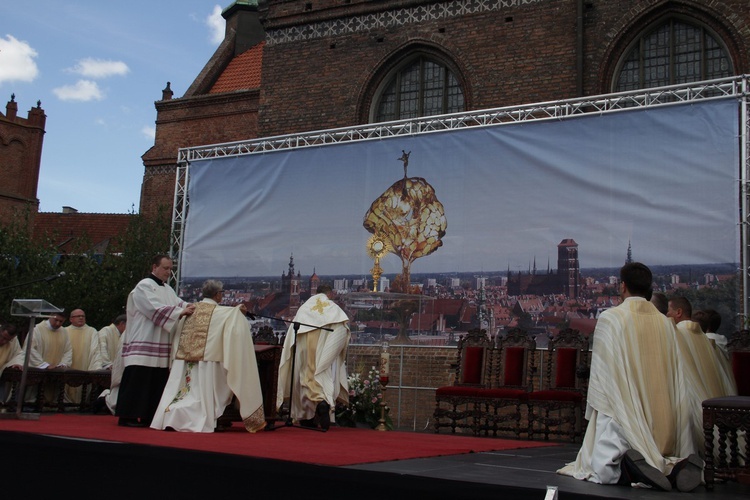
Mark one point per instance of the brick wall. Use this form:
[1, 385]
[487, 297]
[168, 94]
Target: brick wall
[504, 58]
[415, 372]
[21, 142]
[504, 53]
[182, 123]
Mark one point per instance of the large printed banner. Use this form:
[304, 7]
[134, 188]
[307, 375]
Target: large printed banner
[663, 181]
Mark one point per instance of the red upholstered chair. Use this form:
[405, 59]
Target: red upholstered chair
[731, 416]
[456, 405]
[501, 404]
[557, 407]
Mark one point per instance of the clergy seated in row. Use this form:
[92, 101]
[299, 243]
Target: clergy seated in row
[110, 349]
[638, 432]
[708, 373]
[213, 359]
[84, 341]
[109, 340]
[710, 321]
[50, 349]
[11, 356]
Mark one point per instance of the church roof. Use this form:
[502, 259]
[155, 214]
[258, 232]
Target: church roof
[69, 230]
[250, 3]
[242, 73]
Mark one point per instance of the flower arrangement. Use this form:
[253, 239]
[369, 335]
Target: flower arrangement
[365, 396]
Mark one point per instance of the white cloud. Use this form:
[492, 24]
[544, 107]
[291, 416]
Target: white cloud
[17, 61]
[149, 132]
[216, 24]
[83, 90]
[98, 68]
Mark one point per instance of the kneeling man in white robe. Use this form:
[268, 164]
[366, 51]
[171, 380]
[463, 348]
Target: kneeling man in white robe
[638, 416]
[319, 348]
[213, 359]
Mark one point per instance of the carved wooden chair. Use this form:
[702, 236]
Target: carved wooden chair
[726, 420]
[456, 405]
[501, 405]
[557, 407]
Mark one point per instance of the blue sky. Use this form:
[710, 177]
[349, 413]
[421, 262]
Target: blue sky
[97, 67]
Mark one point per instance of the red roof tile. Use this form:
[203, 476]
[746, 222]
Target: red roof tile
[68, 229]
[242, 72]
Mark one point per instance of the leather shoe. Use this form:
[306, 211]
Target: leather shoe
[323, 415]
[687, 474]
[99, 405]
[310, 422]
[130, 422]
[635, 469]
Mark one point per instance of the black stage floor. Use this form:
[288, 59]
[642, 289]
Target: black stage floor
[533, 470]
[36, 465]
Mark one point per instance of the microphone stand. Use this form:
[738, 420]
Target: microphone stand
[295, 324]
[38, 280]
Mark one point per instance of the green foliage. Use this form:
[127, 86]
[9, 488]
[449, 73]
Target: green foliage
[22, 262]
[98, 283]
[724, 298]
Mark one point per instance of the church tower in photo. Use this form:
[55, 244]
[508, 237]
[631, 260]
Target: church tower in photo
[568, 267]
[290, 283]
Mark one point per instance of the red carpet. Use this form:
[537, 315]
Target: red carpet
[339, 446]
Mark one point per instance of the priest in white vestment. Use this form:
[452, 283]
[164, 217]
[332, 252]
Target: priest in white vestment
[50, 349]
[320, 376]
[214, 359]
[110, 347]
[110, 339]
[635, 397]
[707, 372]
[84, 340]
[11, 356]
[153, 309]
[110, 395]
[710, 322]
[10, 349]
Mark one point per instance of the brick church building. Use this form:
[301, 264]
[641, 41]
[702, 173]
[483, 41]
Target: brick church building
[21, 144]
[21, 141]
[291, 66]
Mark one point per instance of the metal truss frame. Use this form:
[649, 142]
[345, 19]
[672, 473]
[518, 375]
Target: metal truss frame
[733, 87]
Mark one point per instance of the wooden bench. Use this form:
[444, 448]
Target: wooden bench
[91, 382]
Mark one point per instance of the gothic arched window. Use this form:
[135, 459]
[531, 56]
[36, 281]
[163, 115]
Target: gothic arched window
[673, 52]
[422, 86]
